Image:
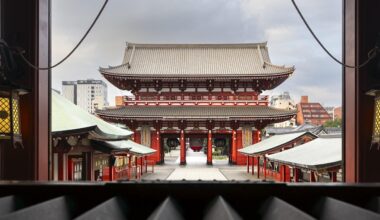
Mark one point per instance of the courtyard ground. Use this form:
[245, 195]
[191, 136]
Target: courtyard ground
[196, 169]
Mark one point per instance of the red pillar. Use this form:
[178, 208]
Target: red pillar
[146, 164]
[137, 137]
[256, 136]
[141, 165]
[253, 165]
[158, 147]
[333, 176]
[265, 167]
[247, 164]
[258, 167]
[283, 173]
[110, 167]
[182, 148]
[88, 166]
[136, 166]
[234, 150]
[129, 166]
[296, 174]
[209, 148]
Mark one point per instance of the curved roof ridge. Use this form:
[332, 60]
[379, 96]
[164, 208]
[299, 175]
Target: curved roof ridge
[279, 66]
[112, 67]
[195, 45]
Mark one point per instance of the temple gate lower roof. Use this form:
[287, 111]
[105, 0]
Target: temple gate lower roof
[196, 112]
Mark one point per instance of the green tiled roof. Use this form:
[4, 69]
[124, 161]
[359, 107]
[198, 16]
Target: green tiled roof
[68, 118]
[133, 147]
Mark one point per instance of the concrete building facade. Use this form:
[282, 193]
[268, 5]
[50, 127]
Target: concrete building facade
[69, 90]
[284, 101]
[89, 94]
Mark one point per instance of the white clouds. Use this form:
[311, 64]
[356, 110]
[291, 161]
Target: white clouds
[201, 21]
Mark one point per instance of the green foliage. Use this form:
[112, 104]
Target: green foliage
[337, 123]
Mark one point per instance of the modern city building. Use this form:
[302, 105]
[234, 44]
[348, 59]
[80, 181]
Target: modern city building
[69, 90]
[89, 94]
[312, 112]
[191, 91]
[284, 101]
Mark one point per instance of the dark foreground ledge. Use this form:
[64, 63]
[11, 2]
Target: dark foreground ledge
[188, 200]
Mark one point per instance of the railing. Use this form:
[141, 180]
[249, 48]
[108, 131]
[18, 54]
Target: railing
[197, 102]
[200, 98]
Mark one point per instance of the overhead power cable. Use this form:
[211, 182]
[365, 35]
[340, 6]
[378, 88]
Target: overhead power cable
[21, 52]
[371, 54]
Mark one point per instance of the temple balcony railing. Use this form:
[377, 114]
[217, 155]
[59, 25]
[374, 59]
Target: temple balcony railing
[196, 98]
[196, 103]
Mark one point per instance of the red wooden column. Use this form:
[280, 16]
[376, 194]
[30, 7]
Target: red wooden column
[88, 165]
[136, 166]
[182, 148]
[141, 165]
[296, 174]
[158, 125]
[234, 126]
[111, 162]
[258, 167]
[209, 148]
[182, 126]
[283, 173]
[146, 164]
[158, 147]
[265, 167]
[209, 125]
[253, 165]
[333, 176]
[312, 176]
[247, 164]
[129, 166]
[233, 146]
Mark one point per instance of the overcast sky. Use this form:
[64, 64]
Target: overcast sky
[203, 21]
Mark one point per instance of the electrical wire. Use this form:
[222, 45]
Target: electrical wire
[371, 54]
[22, 52]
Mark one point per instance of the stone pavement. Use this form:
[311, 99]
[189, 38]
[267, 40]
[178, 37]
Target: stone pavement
[196, 173]
[196, 169]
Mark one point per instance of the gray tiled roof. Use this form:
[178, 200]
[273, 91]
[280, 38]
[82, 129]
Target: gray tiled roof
[273, 143]
[183, 112]
[182, 60]
[317, 154]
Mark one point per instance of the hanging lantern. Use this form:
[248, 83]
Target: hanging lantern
[376, 119]
[10, 129]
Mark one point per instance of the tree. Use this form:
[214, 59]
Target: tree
[333, 123]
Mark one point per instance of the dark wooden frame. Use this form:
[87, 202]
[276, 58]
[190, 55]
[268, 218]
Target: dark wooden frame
[360, 31]
[27, 24]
